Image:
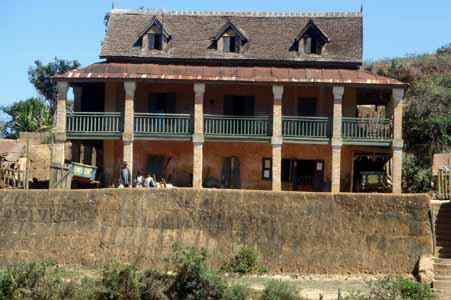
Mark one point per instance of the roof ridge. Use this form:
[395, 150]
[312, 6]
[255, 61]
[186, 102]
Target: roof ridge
[236, 13]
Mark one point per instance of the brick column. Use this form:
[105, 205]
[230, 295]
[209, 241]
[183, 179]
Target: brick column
[277, 140]
[397, 145]
[198, 136]
[128, 134]
[338, 92]
[58, 154]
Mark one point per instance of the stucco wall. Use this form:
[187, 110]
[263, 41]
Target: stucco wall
[294, 232]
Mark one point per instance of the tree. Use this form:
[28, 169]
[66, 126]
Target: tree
[427, 112]
[41, 76]
[32, 115]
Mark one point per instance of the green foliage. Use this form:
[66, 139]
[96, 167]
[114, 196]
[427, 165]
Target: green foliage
[394, 288]
[155, 285]
[280, 290]
[237, 292]
[416, 179]
[41, 76]
[195, 279]
[120, 281]
[427, 110]
[245, 261]
[28, 115]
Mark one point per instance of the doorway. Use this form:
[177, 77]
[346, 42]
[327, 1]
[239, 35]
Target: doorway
[230, 174]
[303, 175]
[371, 173]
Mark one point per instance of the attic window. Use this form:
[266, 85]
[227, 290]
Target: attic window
[229, 39]
[231, 44]
[155, 41]
[311, 40]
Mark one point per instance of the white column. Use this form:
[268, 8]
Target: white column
[128, 134]
[58, 154]
[397, 145]
[277, 139]
[198, 136]
[337, 143]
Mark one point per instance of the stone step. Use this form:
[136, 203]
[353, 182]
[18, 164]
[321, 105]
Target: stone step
[442, 270]
[442, 285]
[442, 294]
[443, 278]
[442, 261]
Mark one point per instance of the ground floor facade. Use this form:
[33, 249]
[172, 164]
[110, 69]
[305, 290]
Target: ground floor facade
[241, 165]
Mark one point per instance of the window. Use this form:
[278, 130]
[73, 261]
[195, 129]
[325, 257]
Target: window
[311, 39]
[155, 41]
[231, 44]
[267, 168]
[239, 105]
[162, 103]
[307, 107]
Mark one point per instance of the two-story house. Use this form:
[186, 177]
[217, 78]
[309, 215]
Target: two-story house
[235, 100]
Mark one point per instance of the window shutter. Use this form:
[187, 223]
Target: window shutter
[226, 41]
[307, 45]
[151, 40]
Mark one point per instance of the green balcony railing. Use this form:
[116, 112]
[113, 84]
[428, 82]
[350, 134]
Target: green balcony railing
[94, 124]
[163, 125]
[306, 128]
[222, 126]
[366, 130]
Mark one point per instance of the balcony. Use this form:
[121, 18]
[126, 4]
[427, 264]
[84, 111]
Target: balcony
[151, 125]
[367, 131]
[306, 129]
[237, 127]
[94, 125]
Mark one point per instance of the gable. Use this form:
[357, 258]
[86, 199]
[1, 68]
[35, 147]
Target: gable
[269, 36]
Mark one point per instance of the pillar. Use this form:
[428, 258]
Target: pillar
[397, 145]
[277, 140]
[198, 136]
[128, 134]
[58, 154]
[337, 143]
[76, 145]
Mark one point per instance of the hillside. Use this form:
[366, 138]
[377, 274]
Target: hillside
[427, 110]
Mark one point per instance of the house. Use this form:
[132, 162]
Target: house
[273, 101]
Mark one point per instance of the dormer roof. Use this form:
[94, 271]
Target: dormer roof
[154, 22]
[311, 26]
[229, 26]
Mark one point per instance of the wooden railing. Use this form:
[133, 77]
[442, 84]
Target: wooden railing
[94, 124]
[310, 128]
[151, 124]
[366, 130]
[222, 126]
[443, 185]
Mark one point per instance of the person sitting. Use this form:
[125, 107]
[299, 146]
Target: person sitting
[139, 180]
[149, 182]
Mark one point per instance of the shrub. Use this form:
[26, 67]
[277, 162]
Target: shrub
[120, 281]
[194, 279]
[400, 288]
[237, 292]
[155, 285]
[245, 261]
[280, 290]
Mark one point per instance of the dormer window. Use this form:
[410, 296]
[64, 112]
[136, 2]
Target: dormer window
[311, 40]
[155, 36]
[155, 41]
[231, 44]
[229, 39]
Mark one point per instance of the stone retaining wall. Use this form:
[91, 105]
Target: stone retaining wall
[294, 232]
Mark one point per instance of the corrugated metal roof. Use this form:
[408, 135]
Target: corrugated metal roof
[256, 74]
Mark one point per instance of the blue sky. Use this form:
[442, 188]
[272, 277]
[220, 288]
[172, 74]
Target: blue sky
[43, 29]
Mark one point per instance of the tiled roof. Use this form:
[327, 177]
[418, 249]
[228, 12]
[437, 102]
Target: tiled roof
[270, 35]
[150, 71]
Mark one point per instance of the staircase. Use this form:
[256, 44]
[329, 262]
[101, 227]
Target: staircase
[442, 261]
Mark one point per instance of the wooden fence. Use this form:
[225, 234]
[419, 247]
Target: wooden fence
[443, 190]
